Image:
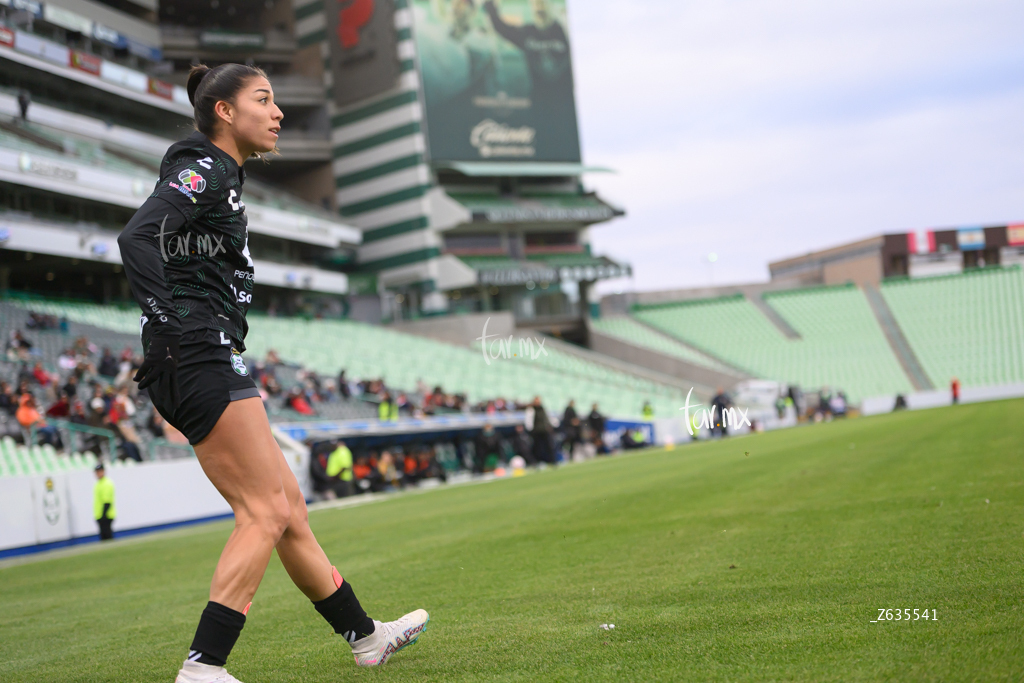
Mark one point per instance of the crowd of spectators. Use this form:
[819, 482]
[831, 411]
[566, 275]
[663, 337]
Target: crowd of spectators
[93, 388]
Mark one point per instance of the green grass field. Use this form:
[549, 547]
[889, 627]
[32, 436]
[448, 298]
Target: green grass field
[760, 558]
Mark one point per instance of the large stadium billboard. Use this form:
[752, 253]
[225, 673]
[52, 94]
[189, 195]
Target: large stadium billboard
[497, 80]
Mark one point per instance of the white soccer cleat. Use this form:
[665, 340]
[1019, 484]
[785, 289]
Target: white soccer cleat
[194, 672]
[377, 648]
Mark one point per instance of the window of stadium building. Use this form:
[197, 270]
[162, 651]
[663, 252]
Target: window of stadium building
[475, 242]
[566, 238]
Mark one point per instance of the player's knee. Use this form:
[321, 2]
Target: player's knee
[275, 517]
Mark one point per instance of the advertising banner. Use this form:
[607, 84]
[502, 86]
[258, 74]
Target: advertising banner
[1015, 235]
[497, 79]
[970, 239]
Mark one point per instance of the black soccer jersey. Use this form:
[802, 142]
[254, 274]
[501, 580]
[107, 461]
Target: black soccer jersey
[186, 250]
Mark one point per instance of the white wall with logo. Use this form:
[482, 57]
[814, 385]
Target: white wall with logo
[46, 508]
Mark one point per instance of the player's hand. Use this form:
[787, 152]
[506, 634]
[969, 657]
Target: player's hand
[161, 363]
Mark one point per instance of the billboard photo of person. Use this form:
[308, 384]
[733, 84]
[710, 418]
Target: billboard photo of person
[545, 47]
[497, 79]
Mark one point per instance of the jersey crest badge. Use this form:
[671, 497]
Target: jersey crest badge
[237, 364]
[192, 180]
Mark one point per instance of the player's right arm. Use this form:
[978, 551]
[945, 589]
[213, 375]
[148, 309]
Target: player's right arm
[513, 34]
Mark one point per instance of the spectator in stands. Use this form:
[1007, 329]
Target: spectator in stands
[488, 449]
[387, 411]
[28, 417]
[122, 409]
[18, 347]
[83, 348]
[156, 423]
[61, 407]
[77, 415]
[954, 388]
[108, 364]
[66, 361]
[103, 503]
[297, 402]
[8, 401]
[125, 371]
[343, 389]
[339, 469]
[40, 376]
[70, 388]
[647, 411]
[540, 430]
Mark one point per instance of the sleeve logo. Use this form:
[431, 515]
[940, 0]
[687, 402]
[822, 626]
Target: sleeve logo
[192, 180]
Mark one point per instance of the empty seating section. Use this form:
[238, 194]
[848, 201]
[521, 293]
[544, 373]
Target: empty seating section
[968, 326]
[629, 330]
[369, 351]
[841, 344]
[16, 460]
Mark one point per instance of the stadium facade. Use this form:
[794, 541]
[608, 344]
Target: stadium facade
[429, 161]
[455, 150]
[103, 102]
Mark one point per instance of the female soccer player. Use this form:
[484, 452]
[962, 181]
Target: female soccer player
[186, 254]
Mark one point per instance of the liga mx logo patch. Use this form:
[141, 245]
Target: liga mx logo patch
[192, 180]
[237, 364]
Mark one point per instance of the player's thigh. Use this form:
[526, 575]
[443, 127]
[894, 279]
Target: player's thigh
[241, 457]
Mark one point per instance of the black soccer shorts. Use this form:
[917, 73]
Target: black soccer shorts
[210, 376]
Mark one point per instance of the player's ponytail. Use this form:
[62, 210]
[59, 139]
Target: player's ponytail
[206, 87]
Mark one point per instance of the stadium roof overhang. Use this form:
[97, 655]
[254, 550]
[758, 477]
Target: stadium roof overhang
[512, 169]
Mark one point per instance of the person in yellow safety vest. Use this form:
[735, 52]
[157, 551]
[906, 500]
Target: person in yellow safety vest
[339, 465]
[388, 409]
[648, 411]
[103, 503]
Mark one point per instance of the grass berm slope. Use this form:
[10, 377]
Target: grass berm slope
[713, 565]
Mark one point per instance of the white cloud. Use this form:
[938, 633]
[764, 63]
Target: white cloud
[763, 130]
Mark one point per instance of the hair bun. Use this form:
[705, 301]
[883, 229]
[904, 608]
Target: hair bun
[195, 77]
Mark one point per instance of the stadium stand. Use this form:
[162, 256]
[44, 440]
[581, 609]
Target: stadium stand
[404, 361]
[16, 460]
[630, 330]
[840, 344]
[967, 326]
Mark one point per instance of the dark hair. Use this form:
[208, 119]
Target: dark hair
[207, 87]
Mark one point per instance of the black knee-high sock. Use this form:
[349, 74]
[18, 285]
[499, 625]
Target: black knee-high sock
[343, 612]
[219, 628]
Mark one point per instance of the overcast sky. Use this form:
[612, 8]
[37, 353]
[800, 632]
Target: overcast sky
[762, 130]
